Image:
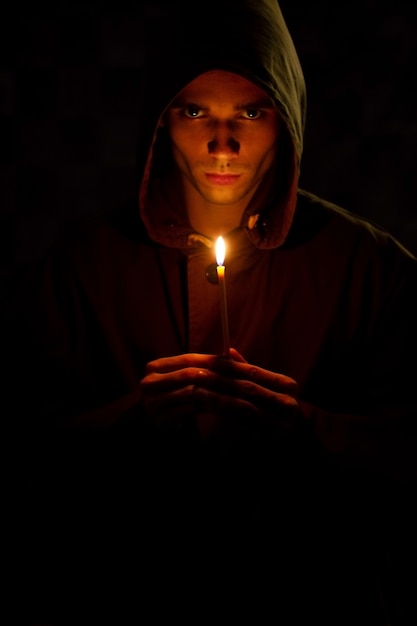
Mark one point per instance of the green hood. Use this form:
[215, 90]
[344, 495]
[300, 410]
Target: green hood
[248, 37]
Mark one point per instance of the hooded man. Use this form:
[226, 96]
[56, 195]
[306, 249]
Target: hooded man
[261, 473]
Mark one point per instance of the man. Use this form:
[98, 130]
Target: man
[260, 476]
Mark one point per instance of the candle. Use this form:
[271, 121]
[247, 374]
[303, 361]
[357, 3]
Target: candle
[220, 254]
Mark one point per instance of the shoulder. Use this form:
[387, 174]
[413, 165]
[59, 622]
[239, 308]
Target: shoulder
[324, 223]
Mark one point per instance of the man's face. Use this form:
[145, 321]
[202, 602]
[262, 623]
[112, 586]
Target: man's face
[224, 132]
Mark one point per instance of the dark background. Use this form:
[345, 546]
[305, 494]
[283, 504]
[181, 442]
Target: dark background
[70, 86]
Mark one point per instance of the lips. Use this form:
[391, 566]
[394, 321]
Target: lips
[222, 179]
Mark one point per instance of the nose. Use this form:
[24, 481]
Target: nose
[223, 144]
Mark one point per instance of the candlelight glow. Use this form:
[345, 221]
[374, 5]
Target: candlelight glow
[220, 251]
[221, 276]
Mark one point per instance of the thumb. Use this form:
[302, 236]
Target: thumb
[236, 356]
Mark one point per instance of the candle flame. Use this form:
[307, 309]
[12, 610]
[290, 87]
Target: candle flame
[220, 251]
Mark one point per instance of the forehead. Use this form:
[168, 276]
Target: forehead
[223, 84]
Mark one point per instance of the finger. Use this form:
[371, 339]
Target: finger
[233, 394]
[236, 356]
[182, 385]
[170, 403]
[263, 377]
[270, 409]
[181, 361]
[156, 382]
[263, 388]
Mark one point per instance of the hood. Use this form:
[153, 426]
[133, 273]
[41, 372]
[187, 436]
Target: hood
[248, 37]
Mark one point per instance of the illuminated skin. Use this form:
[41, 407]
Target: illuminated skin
[221, 394]
[224, 132]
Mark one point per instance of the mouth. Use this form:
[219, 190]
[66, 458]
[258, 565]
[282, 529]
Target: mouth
[222, 179]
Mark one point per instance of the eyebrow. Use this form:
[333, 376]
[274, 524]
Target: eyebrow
[261, 103]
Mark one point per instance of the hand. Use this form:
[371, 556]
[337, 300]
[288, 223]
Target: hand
[224, 395]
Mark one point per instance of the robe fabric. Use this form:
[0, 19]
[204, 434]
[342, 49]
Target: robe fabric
[291, 525]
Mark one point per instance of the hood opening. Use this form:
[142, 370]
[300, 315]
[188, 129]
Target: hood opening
[267, 218]
[247, 37]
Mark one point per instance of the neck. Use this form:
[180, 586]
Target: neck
[214, 220]
[210, 219]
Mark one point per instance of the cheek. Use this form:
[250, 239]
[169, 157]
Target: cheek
[182, 157]
[264, 153]
[259, 140]
[184, 144]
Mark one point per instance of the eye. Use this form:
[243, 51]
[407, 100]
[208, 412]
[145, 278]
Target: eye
[252, 114]
[192, 111]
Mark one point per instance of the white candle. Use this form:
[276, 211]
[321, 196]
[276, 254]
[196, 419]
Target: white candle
[220, 255]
